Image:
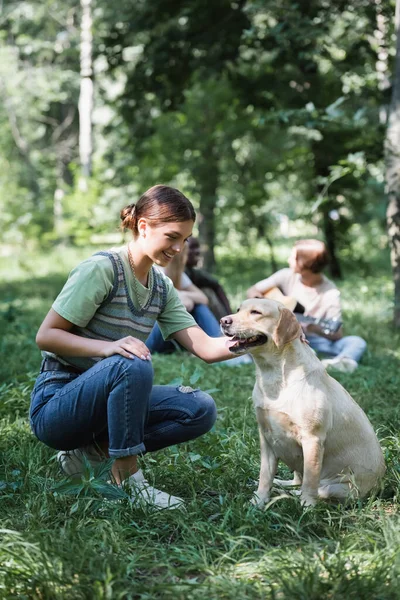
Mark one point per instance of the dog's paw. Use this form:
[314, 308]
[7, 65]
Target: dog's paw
[259, 500]
[308, 500]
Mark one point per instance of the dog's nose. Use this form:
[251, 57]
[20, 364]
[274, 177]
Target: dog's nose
[226, 321]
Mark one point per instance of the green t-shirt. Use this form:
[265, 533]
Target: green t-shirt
[91, 282]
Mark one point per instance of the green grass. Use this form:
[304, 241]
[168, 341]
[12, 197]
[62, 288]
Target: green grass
[58, 545]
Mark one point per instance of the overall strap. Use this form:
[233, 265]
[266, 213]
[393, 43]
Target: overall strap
[159, 281]
[118, 273]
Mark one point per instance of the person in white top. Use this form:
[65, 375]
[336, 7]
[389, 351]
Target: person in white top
[320, 298]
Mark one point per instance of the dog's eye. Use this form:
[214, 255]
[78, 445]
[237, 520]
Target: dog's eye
[255, 312]
[238, 309]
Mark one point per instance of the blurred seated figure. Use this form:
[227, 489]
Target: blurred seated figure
[217, 299]
[305, 284]
[193, 299]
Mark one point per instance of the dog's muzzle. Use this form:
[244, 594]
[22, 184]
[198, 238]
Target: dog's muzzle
[241, 343]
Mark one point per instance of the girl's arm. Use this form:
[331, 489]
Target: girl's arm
[205, 347]
[255, 292]
[262, 287]
[193, 293]
[55, 335]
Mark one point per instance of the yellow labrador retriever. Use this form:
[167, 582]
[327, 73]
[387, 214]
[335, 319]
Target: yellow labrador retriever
[305, 417]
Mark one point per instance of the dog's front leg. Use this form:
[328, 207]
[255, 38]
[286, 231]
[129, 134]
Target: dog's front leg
[313, 453]
[269, 464]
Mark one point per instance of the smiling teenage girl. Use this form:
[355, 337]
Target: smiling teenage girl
[95, 394]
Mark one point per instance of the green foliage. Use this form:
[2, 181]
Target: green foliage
[257, 110]
[286, 104]
[64, 538]
[25, 569]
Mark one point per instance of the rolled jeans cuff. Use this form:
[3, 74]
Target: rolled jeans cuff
[121, 453]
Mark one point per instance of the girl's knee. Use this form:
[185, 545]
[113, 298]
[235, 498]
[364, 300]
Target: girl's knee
[135, 368]
[356, 340]
[362, 342]
[207, 411]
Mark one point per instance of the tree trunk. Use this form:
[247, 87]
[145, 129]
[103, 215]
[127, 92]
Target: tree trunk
[63, 142]
[274, 266]
[86, 93]
[330, 240]
[208, 191]
[262, 232]
[392, 151]
[322, 161]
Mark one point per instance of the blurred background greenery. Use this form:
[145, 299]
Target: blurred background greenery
[271, 116]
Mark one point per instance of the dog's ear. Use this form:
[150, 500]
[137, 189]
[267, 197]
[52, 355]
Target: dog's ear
[288, 328]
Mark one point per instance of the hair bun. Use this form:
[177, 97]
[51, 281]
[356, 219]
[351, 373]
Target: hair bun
[128, 212]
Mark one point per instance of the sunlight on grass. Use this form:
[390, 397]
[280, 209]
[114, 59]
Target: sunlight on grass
[65, 542]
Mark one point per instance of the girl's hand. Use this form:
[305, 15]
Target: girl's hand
[186, 300]
[254, 293]
[311, 328]
[128, 347]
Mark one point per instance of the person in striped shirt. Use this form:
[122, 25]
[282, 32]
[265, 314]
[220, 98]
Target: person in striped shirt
[95, 398]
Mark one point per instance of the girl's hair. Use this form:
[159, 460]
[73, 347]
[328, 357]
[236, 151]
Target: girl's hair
[160, 204]
[312, 255]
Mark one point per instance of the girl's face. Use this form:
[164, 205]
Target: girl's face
[163, 242]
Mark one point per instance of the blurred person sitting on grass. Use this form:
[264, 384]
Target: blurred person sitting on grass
[95, 398]
[320, 298]
[217, 299]
[193, 299]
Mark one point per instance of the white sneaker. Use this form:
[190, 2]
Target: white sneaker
[341, 363]
[72, 462]
[141, 492]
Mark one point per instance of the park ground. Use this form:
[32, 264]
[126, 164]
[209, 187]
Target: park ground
[60, 540]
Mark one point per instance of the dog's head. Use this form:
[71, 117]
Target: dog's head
[257, 323]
